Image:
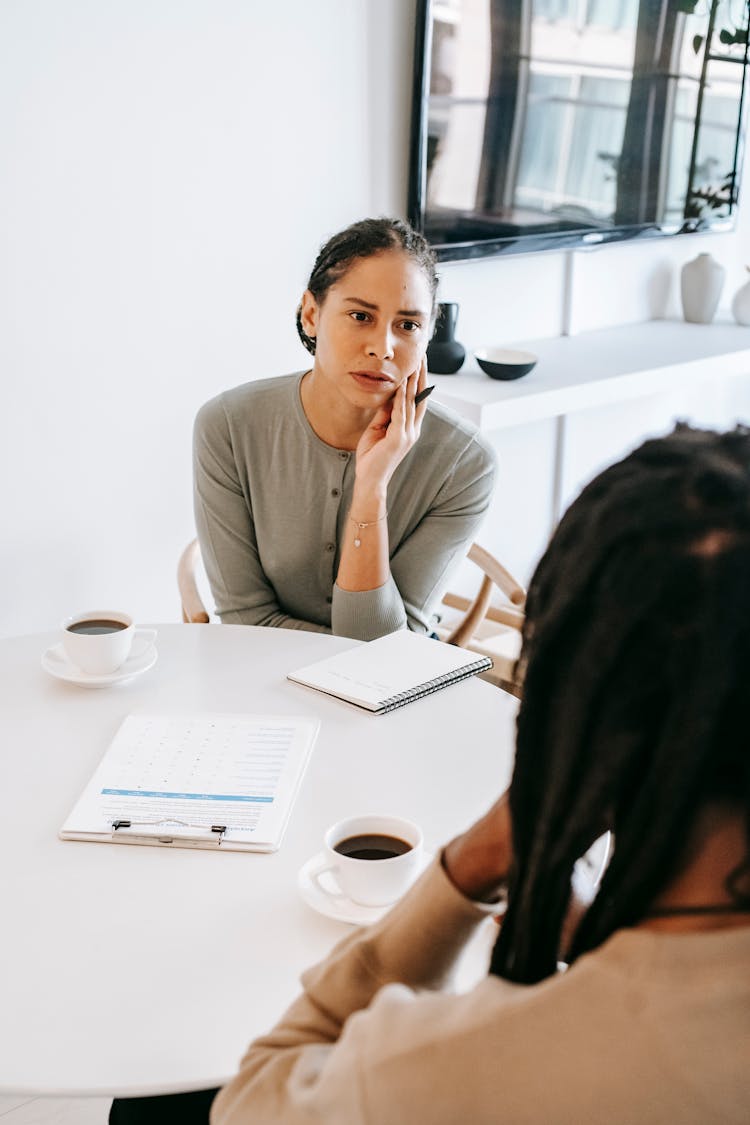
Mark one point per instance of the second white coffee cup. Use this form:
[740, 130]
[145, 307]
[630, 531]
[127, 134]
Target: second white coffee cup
[99, 641]
[373, 859]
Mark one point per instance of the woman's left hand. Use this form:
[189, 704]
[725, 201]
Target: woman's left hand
[394, 429]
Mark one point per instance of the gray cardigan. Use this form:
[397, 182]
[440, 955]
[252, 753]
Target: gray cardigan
[271, 508]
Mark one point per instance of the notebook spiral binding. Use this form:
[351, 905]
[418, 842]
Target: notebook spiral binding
[429, 686]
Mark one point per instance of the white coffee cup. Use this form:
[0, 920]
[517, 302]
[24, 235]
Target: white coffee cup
[99, 641]
[371, 881]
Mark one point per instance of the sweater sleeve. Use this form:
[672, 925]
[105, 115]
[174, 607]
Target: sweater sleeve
[422, 561]
[224, 520]
[650, 1027]
[312, 1067]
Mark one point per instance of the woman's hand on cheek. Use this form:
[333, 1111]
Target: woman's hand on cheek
[393, 430]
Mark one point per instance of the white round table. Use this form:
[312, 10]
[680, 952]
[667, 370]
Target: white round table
[143, 970]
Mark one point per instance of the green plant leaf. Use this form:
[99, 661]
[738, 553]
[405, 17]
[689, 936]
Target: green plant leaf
[687, 6]
[739, 35]
[697, 43]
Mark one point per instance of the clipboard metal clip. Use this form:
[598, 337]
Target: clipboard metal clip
[168, 832]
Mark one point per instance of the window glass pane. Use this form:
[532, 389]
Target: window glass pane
[461, 49]
[614, 14]
[454, 154]
[541, 157]
[595, 147]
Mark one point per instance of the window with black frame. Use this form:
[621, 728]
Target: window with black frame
[576, 120]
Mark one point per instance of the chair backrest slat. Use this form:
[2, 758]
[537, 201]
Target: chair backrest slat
[193, 609]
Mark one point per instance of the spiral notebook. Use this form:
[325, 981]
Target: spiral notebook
[391, 671]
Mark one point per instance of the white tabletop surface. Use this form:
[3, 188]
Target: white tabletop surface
[134, 970]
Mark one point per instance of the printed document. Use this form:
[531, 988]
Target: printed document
[205, 780]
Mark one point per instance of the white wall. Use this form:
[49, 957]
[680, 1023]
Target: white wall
[168, 169]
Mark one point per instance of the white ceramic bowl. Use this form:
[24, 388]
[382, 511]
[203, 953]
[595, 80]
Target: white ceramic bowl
[505, 363]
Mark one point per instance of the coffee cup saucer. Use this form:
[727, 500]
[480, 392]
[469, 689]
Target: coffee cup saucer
[334, 904]
[55, 661]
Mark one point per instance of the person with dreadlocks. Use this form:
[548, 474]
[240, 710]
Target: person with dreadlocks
[331, 499]
[634, 720]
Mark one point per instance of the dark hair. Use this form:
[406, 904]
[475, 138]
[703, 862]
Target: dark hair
[636, 698]
[363, 240]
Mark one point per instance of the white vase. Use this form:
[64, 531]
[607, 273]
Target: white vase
[701, 282]
[741, 303]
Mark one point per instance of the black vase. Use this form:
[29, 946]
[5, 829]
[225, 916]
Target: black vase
[444, 353]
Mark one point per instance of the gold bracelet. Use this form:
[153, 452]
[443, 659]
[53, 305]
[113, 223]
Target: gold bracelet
[360, 526]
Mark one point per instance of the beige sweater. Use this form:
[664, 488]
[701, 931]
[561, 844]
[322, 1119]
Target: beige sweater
[651, 1029]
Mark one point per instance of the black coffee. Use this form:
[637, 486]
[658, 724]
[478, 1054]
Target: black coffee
[372, 847]
[97, 626]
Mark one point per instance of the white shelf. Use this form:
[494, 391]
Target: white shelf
[597, 368]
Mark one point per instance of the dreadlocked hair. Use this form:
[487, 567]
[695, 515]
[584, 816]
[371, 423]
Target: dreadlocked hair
[363, 240]
[636, 708]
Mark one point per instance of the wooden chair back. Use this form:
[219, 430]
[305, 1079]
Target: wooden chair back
[486, 627]
[193, 609]
[479, 624]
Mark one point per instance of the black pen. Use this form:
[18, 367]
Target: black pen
[423, 395]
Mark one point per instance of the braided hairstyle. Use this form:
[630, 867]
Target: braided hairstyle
[636, 704]
[363, 240]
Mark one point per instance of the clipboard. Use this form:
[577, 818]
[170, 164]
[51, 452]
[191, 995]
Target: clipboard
[220, 781]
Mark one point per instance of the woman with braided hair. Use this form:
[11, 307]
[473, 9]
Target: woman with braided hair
[635, 719]
[331, 499]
